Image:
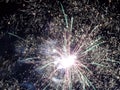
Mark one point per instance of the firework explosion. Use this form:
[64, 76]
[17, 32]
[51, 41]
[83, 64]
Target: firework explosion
[64, 59]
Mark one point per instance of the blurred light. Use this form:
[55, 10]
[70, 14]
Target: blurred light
[66, 61]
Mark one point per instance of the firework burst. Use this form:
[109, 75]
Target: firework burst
[64, 59]
[54, 56]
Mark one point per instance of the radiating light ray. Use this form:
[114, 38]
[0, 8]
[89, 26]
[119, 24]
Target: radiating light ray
[97, 64]
[45, 88]
[113, 61]
[65, 15]
[44, 66]
[67, 61]
[56, 57]
[16, 36]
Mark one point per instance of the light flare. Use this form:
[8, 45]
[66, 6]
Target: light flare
[66, 61]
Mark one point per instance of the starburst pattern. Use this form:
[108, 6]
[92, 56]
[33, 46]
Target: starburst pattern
[62, 58]
[64, 61]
